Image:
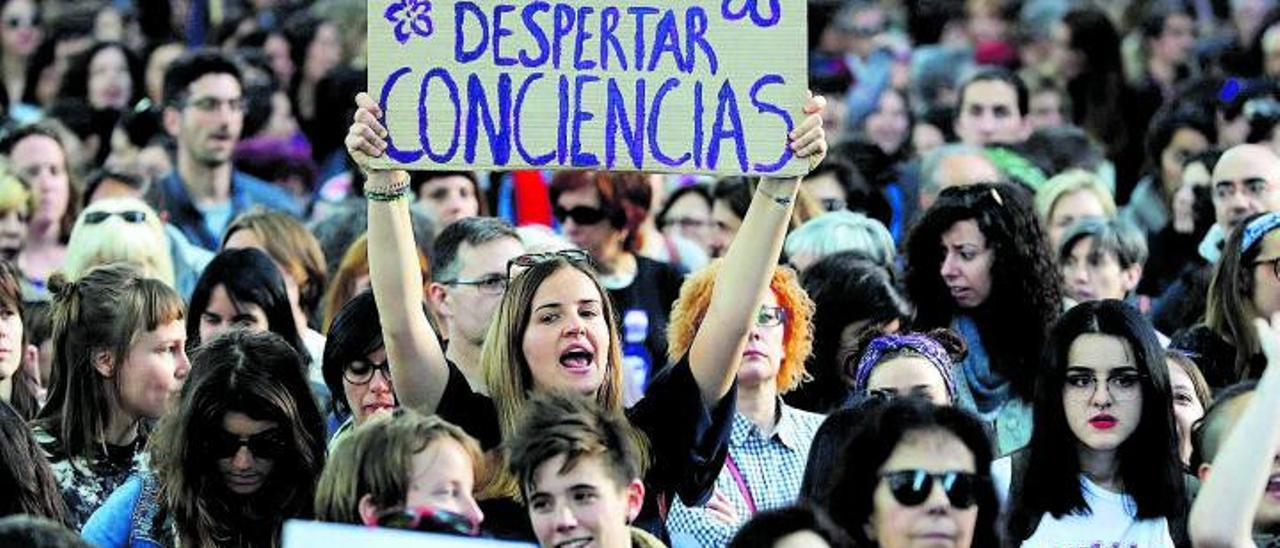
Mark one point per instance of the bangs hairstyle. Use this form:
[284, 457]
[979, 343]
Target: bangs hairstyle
[1149, 466]
[1026, 285]
[575, 427]
[377, 460]
[1229, 306]
[507, 371]
[1070, 182]
[106, 310]
[249, 277]
[290, 245]
[260, 375]
[689, 310]
[883, 427]
[114, 240]
[22, 398]
[356, 333]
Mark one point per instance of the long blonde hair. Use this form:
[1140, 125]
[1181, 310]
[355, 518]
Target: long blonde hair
[507, 372]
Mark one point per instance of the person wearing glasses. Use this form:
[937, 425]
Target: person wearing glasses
[240, 454]
[687, 214]
[404, 470]
[769, 440]
[912, 473]
[120, 356]
[1102, 468]
[1245, 285]
[468, 277]
[977, 263]
[598, 212]
[204, 112]
[556, 329]
[119, 230]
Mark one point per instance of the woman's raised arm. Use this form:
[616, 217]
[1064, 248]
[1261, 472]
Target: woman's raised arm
[418, 367]
[748, 266]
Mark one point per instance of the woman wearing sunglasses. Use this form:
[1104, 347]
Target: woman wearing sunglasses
[1102, 468]
[914, 474]
[119, 230]
[404, 470]
[555, 330]
[240, 455]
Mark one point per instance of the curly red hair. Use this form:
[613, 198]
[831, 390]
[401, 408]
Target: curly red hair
[797, 340]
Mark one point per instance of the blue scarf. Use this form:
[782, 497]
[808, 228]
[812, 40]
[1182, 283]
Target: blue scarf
[990, 389]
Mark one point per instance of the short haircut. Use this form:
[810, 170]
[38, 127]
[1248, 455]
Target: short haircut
[473, 231]
[1167, 121]
[377, 460]
[102, 175]
[575, 427]
[933, 160]
[997, 74]
[192, 66]
[419, 179]
[697, 190]
[1113, 237]
[1211, 430]
[837, 231]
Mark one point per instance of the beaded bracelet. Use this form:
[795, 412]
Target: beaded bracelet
[391, 195]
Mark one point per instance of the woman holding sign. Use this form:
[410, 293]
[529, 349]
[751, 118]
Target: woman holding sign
[555, 330]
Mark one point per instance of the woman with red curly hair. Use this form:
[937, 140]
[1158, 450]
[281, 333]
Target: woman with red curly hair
[769, 440]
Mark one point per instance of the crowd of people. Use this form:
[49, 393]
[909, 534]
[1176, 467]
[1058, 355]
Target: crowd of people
[1028, 294]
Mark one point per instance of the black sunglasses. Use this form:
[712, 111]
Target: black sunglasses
[132, 217]
[427, 519]
[582, 215]
[912, 487]
[269, 444]
[528, 260]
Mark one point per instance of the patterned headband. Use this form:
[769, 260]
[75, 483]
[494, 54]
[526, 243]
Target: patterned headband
[1255, 230]
[916, 342]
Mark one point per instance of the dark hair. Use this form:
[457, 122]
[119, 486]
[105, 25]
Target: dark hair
[1058, 149]
[22, 399]
[192, 66]
[1098, 91]
[735, 191]
[259, 375]
[575, 427]
[998, 74]
[1229, 305]
[75, 83]
[473, 231]
[102, 175]
[826, 453]
[767, 528]
[1148, 465]
[1167, 121]
[848, 289]
[248, 276]
[419, 179]
[1211, 430]
[885, 425]
[700, 191]
[37, 532]
[25, 476]
[1026, 286]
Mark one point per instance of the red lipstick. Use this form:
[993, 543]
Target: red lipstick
[1103, 421]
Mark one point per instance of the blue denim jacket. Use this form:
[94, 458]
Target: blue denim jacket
[246, 191]
[129, 518]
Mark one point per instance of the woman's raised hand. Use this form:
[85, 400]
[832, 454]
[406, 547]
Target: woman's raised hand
[367, 138]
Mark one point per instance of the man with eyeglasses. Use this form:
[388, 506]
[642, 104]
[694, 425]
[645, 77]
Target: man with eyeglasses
[204, 112]
[468, 278]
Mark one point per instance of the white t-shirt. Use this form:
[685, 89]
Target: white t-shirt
[1110, 525]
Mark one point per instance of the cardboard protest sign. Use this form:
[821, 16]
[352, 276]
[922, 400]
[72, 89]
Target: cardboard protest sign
[698, 86]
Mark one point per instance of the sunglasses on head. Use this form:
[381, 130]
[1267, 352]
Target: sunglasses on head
[912, 487]
[582, 215]
[132, 217]
[528, 260]
[269, 444]
[426, 519]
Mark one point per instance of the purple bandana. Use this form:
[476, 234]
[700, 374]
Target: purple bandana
[916, 342]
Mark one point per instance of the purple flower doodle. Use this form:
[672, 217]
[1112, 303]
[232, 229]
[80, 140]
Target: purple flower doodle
[410, 15]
